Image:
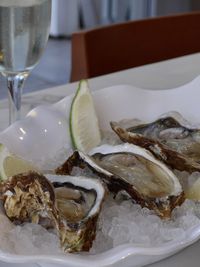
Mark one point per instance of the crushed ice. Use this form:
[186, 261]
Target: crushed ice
[28, 239]
[125, 222]
[120, 222]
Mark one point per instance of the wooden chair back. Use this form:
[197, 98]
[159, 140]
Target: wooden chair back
[121, 46]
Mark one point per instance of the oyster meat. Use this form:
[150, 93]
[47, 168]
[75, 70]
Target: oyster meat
[69, 204]
[132, 169]
[176, 144]
[78, 200]
[170, 131]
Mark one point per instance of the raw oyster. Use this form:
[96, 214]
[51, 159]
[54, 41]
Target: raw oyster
[174, 132]
[170, 141]
[70, 204]
[78, 200]
[132, 169]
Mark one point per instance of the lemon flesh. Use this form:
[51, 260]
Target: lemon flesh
[84, 128]
[11, 164]
[194, 191]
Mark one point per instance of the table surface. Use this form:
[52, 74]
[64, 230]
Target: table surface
[163, 75]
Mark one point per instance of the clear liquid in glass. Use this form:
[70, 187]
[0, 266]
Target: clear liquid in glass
[24, 29]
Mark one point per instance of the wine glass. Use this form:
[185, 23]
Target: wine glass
[24, 31]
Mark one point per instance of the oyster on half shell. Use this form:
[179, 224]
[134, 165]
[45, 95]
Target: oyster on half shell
[169, 138]
[78, 200]
[69, 204]
[132, 169]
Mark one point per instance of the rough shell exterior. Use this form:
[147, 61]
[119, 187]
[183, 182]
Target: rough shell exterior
[30, 197]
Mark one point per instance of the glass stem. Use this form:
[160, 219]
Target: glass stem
[15, 84]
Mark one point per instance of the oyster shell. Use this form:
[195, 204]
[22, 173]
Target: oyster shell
[170, 141]
[132, 169]
[174, 132]
[70, 204]
[78, 200]
[29, 197]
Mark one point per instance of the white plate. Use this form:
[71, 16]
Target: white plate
[46, 123]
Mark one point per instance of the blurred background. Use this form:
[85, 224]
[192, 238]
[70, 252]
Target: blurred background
[69, 16]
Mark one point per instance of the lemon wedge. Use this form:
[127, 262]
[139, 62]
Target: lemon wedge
[11, 164]
[84, 128]
[194, 191]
